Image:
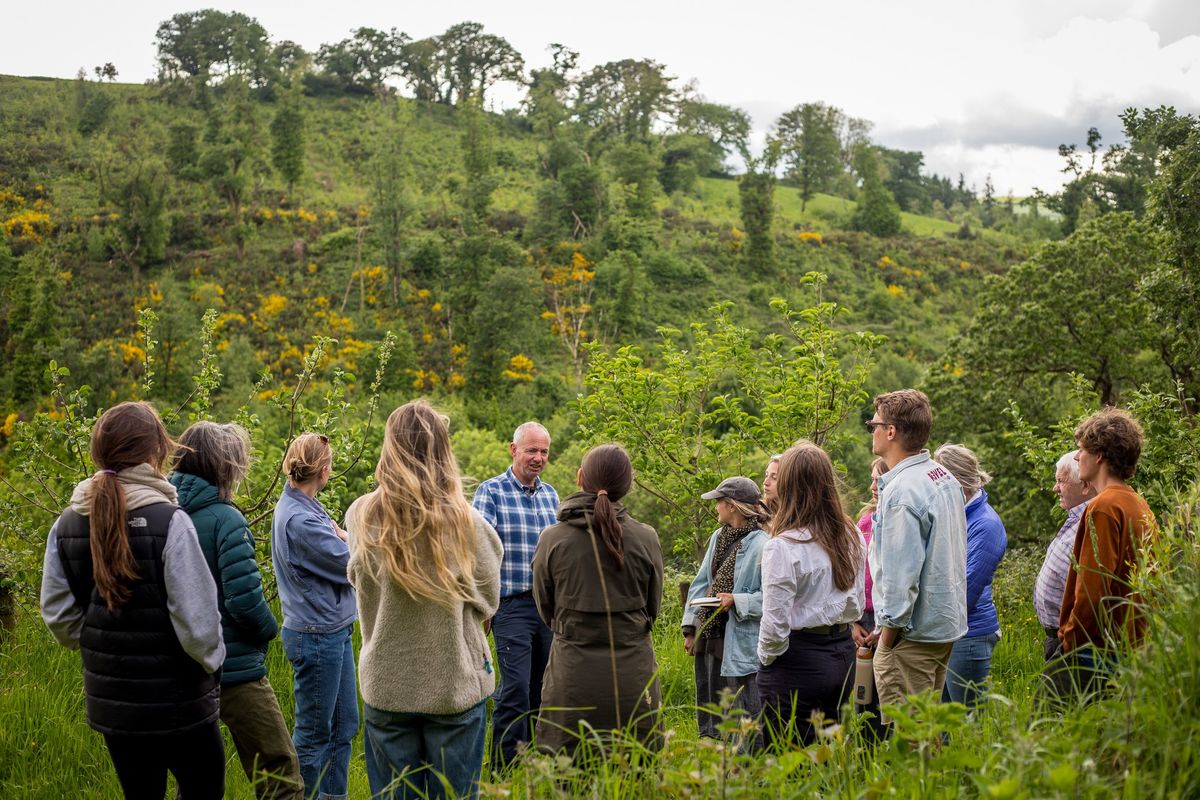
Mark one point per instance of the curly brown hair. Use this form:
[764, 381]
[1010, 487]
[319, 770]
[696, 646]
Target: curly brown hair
[1115, 436]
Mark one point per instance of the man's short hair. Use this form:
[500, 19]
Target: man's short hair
[909, 411]
[526, 427]
[1068, 460]
[1116, 436]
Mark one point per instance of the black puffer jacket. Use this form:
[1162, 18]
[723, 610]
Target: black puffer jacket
[136, 675]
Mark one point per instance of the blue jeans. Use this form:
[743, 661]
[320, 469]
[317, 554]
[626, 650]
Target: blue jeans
[326, 708]
[522, 649]
[403, 750]
[968, 669]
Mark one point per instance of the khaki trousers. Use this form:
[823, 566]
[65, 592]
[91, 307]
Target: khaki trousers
[910, 667]
[251, 712]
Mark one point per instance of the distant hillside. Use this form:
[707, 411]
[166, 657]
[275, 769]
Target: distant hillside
[138, 201]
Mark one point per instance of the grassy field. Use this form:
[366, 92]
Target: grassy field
[718, 202]
[1140, 743]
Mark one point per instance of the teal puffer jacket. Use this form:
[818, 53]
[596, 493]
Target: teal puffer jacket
[247, 623]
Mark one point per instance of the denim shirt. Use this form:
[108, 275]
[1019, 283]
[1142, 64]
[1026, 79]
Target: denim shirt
[741, 631]
[310, 566]
[918, 552]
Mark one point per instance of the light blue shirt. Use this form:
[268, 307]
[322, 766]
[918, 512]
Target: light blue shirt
[741, 631]
[918, 552]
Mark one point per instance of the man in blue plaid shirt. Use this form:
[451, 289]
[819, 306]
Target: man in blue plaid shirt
[518, 504]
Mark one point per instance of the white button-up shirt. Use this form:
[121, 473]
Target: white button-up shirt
[798, 591]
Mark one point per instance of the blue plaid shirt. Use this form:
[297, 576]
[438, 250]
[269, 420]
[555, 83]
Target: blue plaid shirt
[518, 513]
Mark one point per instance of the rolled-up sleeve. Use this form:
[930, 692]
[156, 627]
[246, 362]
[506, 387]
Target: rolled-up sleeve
[778, 593]
[62, 614]
[192, 595]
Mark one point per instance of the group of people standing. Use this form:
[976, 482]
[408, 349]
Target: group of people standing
[151, 572]
[789, 588]
[800, 586]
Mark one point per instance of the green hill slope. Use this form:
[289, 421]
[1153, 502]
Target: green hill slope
[377, 234]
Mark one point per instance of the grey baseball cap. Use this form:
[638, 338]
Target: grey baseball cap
[737, 488]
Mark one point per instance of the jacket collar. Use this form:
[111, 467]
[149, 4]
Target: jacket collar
[195, 492]
[915, 459]
[300, 499]
[574, 507]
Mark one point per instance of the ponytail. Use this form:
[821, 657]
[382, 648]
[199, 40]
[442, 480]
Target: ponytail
[605, 520]
[113, 566]
[126, 435]
[607, 471]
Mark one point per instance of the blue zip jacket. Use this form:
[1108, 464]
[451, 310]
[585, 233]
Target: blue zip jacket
[247, 624]
[986, 543]
[741, 631]
[310, 566]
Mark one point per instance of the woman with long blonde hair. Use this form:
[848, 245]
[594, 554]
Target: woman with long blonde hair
[426, 568]
[812, 575]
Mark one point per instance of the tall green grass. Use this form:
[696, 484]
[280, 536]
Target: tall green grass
[1141, 741]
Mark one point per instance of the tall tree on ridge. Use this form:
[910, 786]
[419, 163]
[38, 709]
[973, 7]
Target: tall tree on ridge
[808, 136]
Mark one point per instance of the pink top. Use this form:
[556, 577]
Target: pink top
[864, 525]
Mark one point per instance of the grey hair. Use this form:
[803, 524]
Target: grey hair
[217, 452]
[964, 465]
[1068, 461]
[526, 427]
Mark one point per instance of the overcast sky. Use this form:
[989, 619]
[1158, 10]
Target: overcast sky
[979, 88]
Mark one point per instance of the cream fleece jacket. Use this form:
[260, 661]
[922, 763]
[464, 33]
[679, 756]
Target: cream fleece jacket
[419, 656]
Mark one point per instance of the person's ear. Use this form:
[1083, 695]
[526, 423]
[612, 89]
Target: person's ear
[579, 477]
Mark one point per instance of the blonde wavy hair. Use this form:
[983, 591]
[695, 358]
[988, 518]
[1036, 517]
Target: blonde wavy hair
[417, 526]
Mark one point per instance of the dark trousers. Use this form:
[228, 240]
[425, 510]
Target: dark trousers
[1077, 677]
[522, 650]
[1051, 646]
[264, 746]
[709, 684]
[196, 758]
[815, 674]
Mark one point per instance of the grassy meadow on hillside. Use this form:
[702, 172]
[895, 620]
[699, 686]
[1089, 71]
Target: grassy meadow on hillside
[287, 240]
